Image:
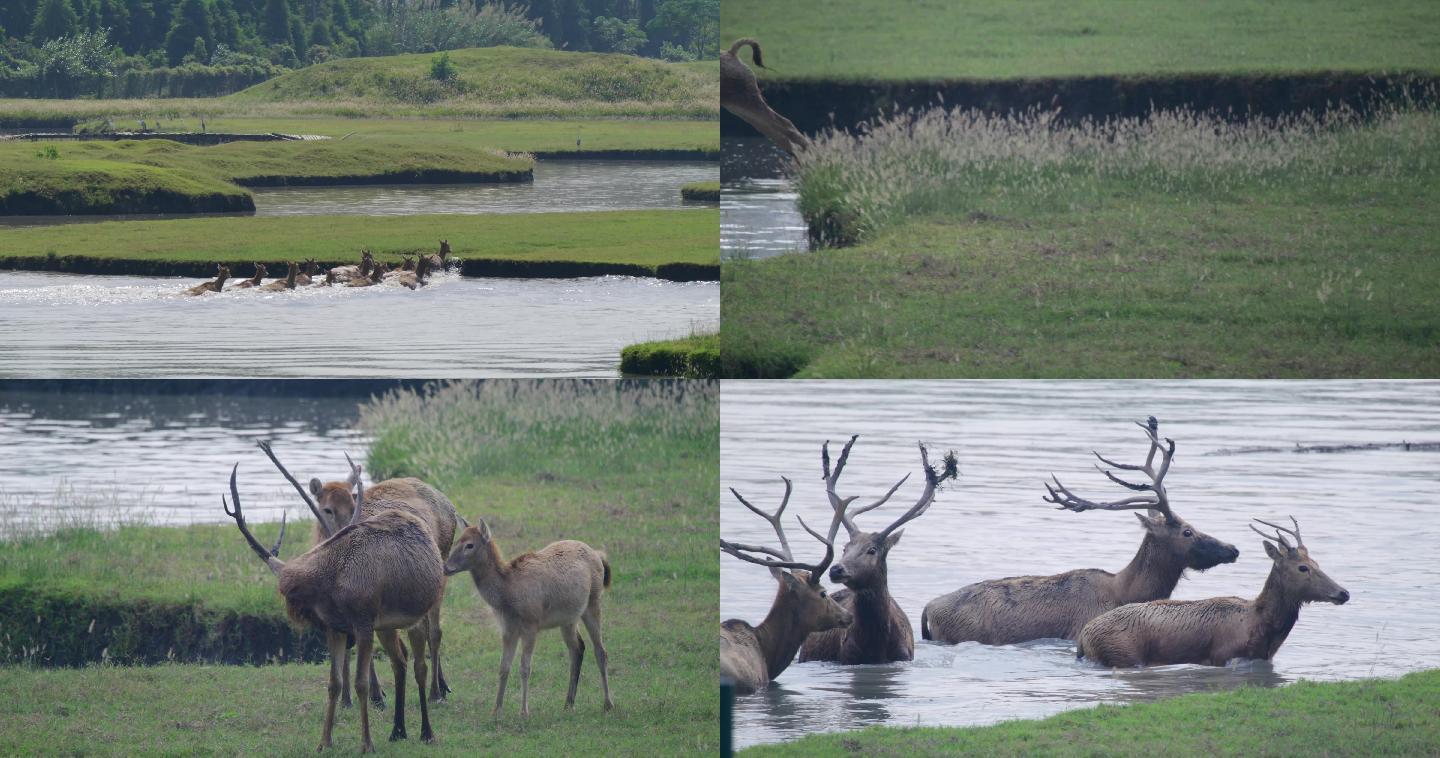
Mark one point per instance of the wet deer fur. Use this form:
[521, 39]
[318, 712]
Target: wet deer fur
[438, 262]
[288, 283]
[372, 577]
[253, 281]
[880, 631]
[557, 586]
[306, 277]
[1021, 608]
[222, 272]
[1216, 630]
[740, 94]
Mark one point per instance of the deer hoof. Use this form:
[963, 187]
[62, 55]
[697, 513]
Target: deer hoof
[367, 747]
[398, 734]
[428, 738]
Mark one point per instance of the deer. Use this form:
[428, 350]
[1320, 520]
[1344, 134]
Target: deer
[253, 281]
[376, 275]
[558, 586]
[349, 273]
[880, 632]
[411, 279]
[440, 261]
[740, 94]
[222, 272]
[754, 656]
[288, 283]
[1216, 630]
[333, 505]
[407, 263]
[376, 576]
[1022, 608]
[306, 277]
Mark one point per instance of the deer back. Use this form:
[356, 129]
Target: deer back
[413, 495]
[1019, 608]
[1210, 631]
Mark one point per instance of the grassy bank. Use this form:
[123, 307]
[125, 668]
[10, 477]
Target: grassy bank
[31, 183]
[693, 357]
[539, 462]
[708, 191]
[916, 40]
[635, 242]
[1176, 246]
[1368, 717]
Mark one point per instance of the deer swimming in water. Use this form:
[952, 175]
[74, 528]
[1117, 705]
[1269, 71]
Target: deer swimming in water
[222, 273]
[253, 281]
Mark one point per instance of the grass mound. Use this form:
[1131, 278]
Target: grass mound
[693, 357]
[707, 191]
[32, 184]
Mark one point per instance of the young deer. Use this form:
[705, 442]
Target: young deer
[1021, 608]
[288, 283]
[307, 273]
[740, 94]
[557, 586]
[221, 274]
[1219, 629]
[253, 281]
[754, 656]
[438, 262]
[376, 576]
[880, 632]
[334, 506]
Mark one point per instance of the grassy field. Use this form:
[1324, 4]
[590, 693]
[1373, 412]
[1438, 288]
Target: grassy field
[693, 357]
[1368, 717]
[642, 238]
[701, 191]
[1172, 247]
[631, 471]
[913, 39]
[32, 183]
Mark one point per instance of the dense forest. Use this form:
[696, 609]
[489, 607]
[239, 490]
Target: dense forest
[69, 48]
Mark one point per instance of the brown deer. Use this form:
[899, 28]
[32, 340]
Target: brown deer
[880, 632]
[376, 275]
[439, 262]
[288, 283]
[1219, 629]
[222, 273]
[253, 281]
[1021, 608]
[411, 279]
[306, 277]
[376, 576]
[558, 586]
[740, 94]
[350, 273]
[333, 505]
[754, 656]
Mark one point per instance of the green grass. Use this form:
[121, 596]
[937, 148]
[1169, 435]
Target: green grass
[913, 39]
[96, 183]
[1367, 717]
[630, 471]
[701, 191]
[641, 238]
[693, 357]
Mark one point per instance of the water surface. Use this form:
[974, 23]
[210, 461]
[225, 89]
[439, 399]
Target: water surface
[758, 215]
[1365, 515]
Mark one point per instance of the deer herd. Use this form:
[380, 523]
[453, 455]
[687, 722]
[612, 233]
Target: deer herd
[1122, 619]
[378, 566]
[413, 273]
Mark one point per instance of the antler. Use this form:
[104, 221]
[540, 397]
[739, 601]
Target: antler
[1157, 501]
[268, 556]
[1280, 538]
[927, 497]
[841, 505]
[359, 484]
[768, 556]
[325, 527]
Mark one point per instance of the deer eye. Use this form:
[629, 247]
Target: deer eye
[1188, 533]
[822, 593]
[327, 510]
[871, 551]
[469, 546]
[1304, 569]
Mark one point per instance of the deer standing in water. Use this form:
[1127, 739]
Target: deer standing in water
[740, 94]
[1021, 608]
[880, 632]
[372, 577]
[288, 283]
[221, 274]
[754, 656]
[333, 505]
[558, 586]
[1219, 629]
[439, 262]
[253, 281]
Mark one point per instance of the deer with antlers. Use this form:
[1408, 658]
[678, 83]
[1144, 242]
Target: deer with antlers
[879, 631]
[740, 94]
[1021, 608]
[753, 656]
[376, 576]
[1216, 630]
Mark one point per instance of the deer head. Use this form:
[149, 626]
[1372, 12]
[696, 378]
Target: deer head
[1298, 574]
[1175, 535]
[311, 267]
[408, 263]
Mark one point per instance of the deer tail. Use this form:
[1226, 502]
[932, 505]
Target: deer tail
[925, 624]
[605, 561]
[754, 46]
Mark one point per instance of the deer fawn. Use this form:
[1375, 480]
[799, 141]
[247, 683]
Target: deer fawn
[740, 94]
[221, 274]
[879, 632]
[1006, 611]
[557, 586]
[253, 281]
[754, 656]
[376, 576]
[1219, 629]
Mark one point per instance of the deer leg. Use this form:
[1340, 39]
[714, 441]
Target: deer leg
[377, 693]
[364, 672]
[336, 642]
[591, 617]
[345, 679]
[390, 641]
[526, 653]
[505, 660]
[417, 641]
[577, 656]
[438, 688]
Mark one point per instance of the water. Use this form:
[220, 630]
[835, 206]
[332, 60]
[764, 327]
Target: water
[758, 215]
[560, 185]
[163, 458]
[1368, 517]
[120, 326]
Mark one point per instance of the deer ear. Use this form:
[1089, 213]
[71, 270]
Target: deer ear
[1151, 525]
[1272, 551]
[315, 487]
[788, 579]
[484, 529]
[893, 538]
